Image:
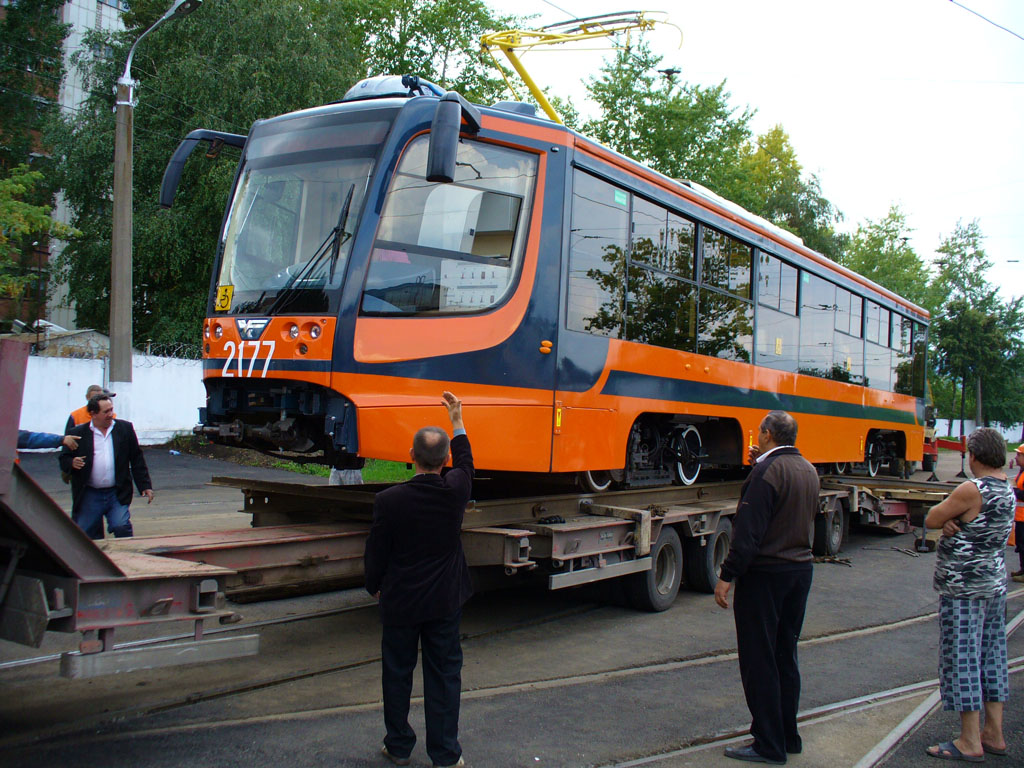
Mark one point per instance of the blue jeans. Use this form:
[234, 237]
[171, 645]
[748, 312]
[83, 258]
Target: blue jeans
[97, 502]
[442, 686]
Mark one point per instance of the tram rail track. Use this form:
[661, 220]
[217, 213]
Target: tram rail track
[93, 728]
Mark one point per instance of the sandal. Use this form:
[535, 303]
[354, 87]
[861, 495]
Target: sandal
[948, 751]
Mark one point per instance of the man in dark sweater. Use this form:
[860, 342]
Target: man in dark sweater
[770, 562]
[416, 567]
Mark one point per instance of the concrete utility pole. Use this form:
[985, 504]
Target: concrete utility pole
[120, 373]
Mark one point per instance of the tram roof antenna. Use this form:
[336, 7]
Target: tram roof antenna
[573, 30]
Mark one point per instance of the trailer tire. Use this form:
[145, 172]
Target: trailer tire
[655, 590]
[704, 563]
[829, 529]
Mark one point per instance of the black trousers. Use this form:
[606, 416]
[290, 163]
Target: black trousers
[769, 610]
[442, 686]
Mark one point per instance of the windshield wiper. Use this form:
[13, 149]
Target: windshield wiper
[339, 231]
[334, 239]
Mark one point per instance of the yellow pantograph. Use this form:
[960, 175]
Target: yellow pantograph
[575, 30]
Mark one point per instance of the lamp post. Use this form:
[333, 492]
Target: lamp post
[121, 235]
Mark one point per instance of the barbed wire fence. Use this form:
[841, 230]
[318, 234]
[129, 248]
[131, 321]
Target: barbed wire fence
[94, 346]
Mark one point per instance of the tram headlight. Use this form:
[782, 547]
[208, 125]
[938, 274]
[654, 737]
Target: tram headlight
[293, 331]
[206, 331]
[314, 331]
[218, 331]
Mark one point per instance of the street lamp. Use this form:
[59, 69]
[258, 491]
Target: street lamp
[121, 236]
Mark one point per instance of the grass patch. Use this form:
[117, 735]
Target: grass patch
[375, 471]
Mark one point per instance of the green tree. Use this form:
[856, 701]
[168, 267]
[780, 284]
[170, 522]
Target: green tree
[22, 220]
[775, 187]
[880, 250]
[31, 71]
[230, 63]
[683, 130]
[977, 336]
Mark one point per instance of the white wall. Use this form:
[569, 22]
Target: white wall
[162, 401]
[952, 427]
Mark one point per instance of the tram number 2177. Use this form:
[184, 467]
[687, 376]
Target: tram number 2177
[235, 365]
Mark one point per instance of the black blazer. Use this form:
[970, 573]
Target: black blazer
[414, 554]
[129, 462]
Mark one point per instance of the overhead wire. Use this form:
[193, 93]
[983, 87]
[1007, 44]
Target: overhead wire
[985, 18]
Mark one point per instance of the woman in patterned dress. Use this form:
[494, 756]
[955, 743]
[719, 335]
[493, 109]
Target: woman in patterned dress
[970, 577]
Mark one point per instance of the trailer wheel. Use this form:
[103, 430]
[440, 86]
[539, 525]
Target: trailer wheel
[655, 590]
[829, 527]
[703, 564]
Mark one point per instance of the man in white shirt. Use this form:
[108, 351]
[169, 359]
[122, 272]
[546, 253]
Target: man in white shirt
[102, 468]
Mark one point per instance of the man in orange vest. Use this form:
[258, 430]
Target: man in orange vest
[81, 415]
[1018, 526]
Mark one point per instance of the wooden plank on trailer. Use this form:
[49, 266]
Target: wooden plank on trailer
[137, 565]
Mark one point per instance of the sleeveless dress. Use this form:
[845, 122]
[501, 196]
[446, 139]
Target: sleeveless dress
[972, 564]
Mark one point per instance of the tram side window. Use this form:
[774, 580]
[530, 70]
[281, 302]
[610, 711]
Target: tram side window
[778, 339]
[903, 357]
[598, 238]
[817, 335]
[451, 248]
[661, 309]
[848, 363]
[725, 263]
[876, 323]
[777, 284]
[917, 385]
[726, 315]
[877, 366]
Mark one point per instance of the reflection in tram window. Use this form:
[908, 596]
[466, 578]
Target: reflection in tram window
[451, 248]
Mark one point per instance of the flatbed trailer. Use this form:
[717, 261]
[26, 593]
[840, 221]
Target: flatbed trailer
[311, 537]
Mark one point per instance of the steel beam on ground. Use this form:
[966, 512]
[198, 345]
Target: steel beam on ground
[81, 665]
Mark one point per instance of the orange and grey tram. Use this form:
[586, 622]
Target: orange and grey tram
[599, 320]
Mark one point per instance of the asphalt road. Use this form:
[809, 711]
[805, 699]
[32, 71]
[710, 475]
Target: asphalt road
[551, 679]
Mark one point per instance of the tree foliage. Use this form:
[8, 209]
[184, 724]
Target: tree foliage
[278, 57]
[977, 337]
[775, 186]
[31, 69]
[881, 251]
[689, 131]
[683, 130]
[22, 220]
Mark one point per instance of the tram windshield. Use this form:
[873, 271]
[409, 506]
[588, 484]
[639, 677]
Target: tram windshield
[290, 225]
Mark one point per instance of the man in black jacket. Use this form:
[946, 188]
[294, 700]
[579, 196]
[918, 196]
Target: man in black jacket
[102, 468]
[416, 567]
[771, 563]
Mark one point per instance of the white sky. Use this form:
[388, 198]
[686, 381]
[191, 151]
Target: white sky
[913, 102]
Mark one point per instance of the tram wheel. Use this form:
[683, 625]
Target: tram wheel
[596, 480]
[686, 447]
[874, 457]
[703, 564]
[841, 467]
[655, 590]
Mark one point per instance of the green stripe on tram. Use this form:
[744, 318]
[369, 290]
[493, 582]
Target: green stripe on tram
[628, 384]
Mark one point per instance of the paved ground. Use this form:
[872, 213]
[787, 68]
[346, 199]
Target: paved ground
[550, 679]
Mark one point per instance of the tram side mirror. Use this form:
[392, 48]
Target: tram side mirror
[172, 174]
[444, 135]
